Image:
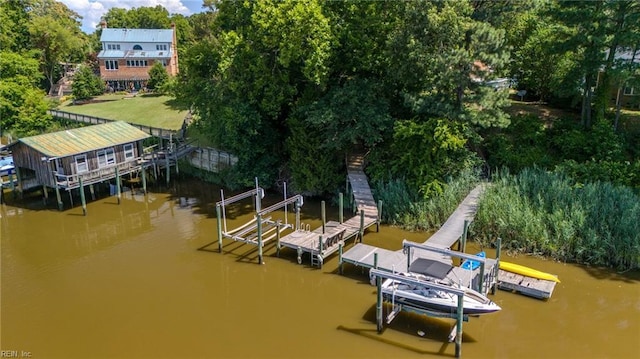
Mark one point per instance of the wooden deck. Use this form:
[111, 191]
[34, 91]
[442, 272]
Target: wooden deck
[335, 233]
[453, 228]
[537, 288]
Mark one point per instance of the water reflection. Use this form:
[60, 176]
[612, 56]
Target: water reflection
[128, 281]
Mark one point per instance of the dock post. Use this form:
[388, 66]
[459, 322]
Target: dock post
[93, 192]
[459, 321]
[379, 216]
[297, 214]
[375, 260]
[219, 228]
[497, 268]
[45, 192]
[118, 192]
[168, 172]
[340, 258]
[82, 199]
[324, 216]
[144, 180]
[361, 224]
[20, 185]
[341, 204]
[278, 224]
[481, 279]
[464, 235]
[58, 198]
[379, 313]
[319, 256]
[12, 185]
[259, 223]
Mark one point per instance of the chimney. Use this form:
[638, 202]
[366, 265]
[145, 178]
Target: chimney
[103, 24]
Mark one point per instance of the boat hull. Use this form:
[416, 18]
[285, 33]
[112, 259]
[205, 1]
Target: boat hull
[527, 272]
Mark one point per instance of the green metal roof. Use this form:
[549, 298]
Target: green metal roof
[84, 139]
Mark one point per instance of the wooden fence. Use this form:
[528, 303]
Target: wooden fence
[211, 159]
[153, 131]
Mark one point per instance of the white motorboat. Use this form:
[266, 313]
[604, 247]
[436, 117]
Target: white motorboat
[428, 298]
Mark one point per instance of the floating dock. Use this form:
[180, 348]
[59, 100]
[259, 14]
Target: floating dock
[532, 287]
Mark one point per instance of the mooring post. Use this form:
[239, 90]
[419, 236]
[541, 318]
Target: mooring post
[319, 256]
[20, 185]
[118, 193]
[278, 224]
[497, 268]
[340, 262]
[82, 199]
[93, 192]
[459, 320]
[481, 279]
[341, 205]
[59, 198]
[324, 216]
[379, 313]
[298, 214]
[408, 249]
[259, 223]
[168, 171]
[144, 180]
[379, 216]
[218, 215]
[361, 225]
[12, 185]
[464, 235]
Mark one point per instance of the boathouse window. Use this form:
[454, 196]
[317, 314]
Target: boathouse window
[128, 152]
[81, 164]
[106, 157]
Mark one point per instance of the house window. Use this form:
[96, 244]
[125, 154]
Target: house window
[111, 64]
[137, 47]
[113, 46]
[106, 157]
[628, 90]
[137, 63]
[164, 62]
[161, 47]
[81, 163]
[128, 152]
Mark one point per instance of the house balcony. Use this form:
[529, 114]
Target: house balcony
[69, 182]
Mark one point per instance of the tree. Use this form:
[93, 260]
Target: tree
[55, 31]
[158, 76]
[86, 84]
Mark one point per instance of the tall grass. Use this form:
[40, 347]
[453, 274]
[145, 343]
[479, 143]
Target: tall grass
[546, 213]
[406, 208]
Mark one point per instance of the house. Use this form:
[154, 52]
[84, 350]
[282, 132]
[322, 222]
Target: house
[93, 154]
[128, 54]
[628, 95]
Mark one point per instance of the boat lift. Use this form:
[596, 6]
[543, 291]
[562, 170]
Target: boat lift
[254, 231]
[459, 316]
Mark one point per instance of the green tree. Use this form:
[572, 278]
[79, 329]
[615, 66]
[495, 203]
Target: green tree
[158, 77]
[86, 84]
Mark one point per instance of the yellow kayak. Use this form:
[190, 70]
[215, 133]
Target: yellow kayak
[528, 272]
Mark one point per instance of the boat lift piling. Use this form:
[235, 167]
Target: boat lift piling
[459, 316]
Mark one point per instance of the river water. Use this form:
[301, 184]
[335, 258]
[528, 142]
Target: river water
[143, 279]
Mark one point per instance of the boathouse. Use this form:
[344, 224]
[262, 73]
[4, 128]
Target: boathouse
[81, 156]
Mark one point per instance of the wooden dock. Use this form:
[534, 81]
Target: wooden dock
[532, 287]
[332, 236]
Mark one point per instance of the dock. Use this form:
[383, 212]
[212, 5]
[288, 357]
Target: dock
[532, 287]
[332, 236]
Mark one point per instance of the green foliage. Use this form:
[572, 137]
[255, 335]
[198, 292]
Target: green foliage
[158, 77]
[315, 169]
[622, 173]
[544, 213]
[86, 84]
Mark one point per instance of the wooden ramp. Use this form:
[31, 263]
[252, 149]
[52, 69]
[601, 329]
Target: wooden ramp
[362, 195]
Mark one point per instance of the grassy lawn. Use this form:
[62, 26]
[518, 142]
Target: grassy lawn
[149, 110]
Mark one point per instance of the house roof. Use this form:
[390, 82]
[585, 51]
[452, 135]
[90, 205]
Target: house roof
[84, 139]
[137, 35]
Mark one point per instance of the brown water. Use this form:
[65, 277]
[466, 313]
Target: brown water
[137, 280]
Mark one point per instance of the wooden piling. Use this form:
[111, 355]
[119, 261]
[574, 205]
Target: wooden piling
[259, 223]
[459, 321]
[93, 192]
[59, 198]
[278, 225]
[379, 312]
[341, 204]
[82, 199]
[361, 225]
[464, 236]
[20, 186]
[379, 219]
[144, 180]
[219, 217]
[324, 216]
[497, 265]
[118, 194]
[340, 262]
[12, 185]
[168, 169]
